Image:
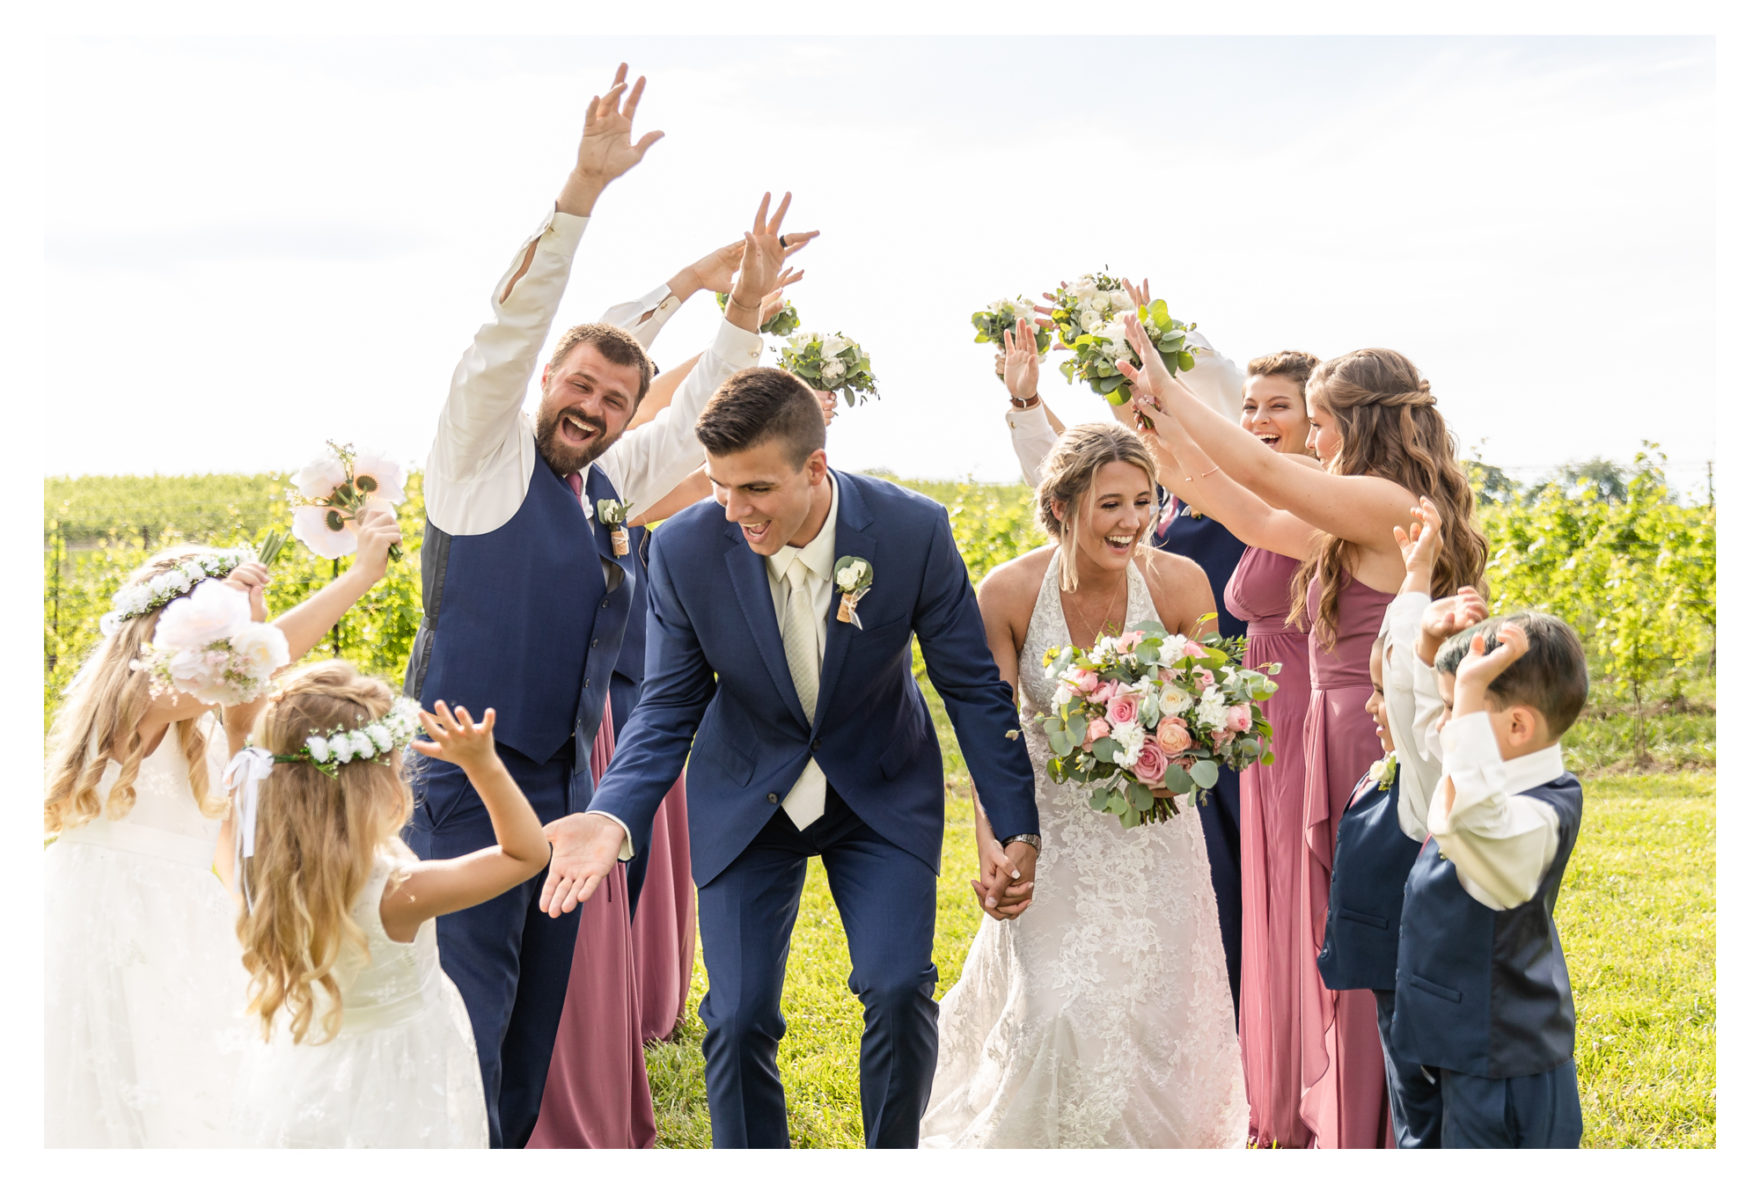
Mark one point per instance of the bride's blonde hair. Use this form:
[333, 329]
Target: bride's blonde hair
[100, 722]
[316, 837]
[1066, 479]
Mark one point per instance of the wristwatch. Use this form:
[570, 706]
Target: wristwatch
[1032, 840]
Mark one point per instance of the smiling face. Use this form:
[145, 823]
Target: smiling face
[1273, 411]
[774, 502]
[587, 403]
[1376, 704]
[1109, 522]
[1323, 437]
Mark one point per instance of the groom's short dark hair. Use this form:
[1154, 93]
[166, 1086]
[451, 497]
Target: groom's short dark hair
[757, 404]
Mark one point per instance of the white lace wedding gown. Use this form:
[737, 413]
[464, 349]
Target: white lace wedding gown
[402, 1073]
[143, 983]
[1101, 1016]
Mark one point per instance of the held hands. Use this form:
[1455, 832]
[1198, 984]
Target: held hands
[1447, 616]
[459, 739]
[1005, 878]
[605, 151]
[1478, 670]
[251, 578]
[1020, 361]
[584, 851]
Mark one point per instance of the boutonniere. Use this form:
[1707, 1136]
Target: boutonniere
[1383, 772]
[612, 513]
[854, 577]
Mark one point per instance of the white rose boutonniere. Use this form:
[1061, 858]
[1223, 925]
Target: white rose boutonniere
[613, 513]
[1383, 772]
[853, 577]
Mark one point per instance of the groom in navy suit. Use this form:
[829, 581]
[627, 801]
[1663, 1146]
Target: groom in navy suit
[810, 738]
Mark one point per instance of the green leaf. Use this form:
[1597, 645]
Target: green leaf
[1105, 749]
[1187, 361]
[1139, 796]
[1204, 773]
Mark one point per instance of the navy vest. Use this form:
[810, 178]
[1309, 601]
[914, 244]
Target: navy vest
[626, 676]
[520, 619]
[1481, 991]
[1369, 869]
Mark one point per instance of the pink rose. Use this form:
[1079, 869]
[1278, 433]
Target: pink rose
[1205, 678]
[1104, 692]
[1086, 682]
[1240, 718]
[1224, 739]
[1122, 709]
[1172, 735]
[1194, 650]
[1098, 729]
[1151, 764]
[1128, 641]
[1167, 674]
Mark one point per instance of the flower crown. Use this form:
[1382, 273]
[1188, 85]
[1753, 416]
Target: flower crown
[132, 601]
[373, 741]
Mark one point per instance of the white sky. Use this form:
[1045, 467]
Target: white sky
[312, 224]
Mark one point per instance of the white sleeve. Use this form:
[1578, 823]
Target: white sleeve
[646, 463]
[1214, 378]
[1403, 681]
[1501, 845]
[481, 459]
[1030, 431]
[658, 305]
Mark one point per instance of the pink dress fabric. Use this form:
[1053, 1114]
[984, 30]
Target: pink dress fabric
[1275, 955]
[596, 1095]
[665, 926]
[1344, 1081]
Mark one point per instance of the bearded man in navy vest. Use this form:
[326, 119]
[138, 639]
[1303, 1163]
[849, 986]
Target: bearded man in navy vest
[525, 590]
[779, 641]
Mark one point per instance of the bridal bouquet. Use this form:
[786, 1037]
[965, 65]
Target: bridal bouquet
[1086, 303]
[1002, 315]
[1148, 710]
[783, 322]
[831, 363]
[334, 488]
[1099, 349]
[206, 645]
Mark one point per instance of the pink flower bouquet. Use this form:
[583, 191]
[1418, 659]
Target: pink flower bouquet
[1148, 714]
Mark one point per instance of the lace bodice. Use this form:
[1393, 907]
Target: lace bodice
[385, 985]
[164, 819]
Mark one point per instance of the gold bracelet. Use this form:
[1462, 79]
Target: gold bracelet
[744, 306]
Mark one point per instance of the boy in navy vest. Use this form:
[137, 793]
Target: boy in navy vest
[1482, 998]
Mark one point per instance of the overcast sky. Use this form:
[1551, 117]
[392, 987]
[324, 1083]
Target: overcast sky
[288, 239]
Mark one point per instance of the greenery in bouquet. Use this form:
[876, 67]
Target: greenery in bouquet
[830, 363]
[1146, 711]
[1002, 315]
[783, 322]
[1099, 349]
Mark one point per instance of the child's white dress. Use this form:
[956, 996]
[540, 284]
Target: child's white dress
[403, 1070]
[143, 982]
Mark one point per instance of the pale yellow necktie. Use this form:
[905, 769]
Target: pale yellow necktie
[800, 642]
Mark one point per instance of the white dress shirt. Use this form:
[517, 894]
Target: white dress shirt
[1501, 840]
[1215, 379]
[486, 446]
[1414, 704]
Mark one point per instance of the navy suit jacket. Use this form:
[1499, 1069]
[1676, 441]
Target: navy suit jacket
[716, 671]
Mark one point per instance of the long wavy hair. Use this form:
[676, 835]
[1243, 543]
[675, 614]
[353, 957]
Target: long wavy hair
[1388, 426]
[316, 837]
[1067, 478]
[100, 722]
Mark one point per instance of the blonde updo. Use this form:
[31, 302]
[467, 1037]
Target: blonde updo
[1067, 479]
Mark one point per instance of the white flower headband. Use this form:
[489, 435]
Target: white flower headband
[132, 601]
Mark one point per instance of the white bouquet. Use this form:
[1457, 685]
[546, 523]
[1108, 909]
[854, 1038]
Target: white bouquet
[206, 645]
[333, 489]
[830, 363]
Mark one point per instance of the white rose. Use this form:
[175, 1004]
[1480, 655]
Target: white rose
[1173, 701]
[830, 370]
[850, 576]
[1061, 696]
[188, 669]
[317, 478]
[212, 613]
[1122, 301]
[319, 748]
[1101, 303]
[1088, 320]
[262, 648]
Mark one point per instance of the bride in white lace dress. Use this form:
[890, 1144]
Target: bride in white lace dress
[1099, 1016]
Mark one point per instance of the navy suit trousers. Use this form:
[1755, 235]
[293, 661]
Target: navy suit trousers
[1220, 817]
[1521, 1112]
[886, 899]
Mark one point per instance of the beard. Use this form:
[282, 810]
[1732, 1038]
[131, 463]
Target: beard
[563, 457]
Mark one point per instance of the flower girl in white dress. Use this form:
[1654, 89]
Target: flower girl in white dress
[143, 991]
[370, 1044]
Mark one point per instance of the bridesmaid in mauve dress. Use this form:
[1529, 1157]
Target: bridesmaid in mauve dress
[1274, 936]
[1376, 428]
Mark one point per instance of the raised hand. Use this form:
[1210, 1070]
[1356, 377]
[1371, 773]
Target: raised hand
[713, 271]
[605, 151]
[760, 264]
[1419, 548]
[1140, 296]
[378, 535]
[1447, 616]
[774, 300]
[1480, 668]
[251, 578]
[1152, 386]
[457, 738]
[1020, 361]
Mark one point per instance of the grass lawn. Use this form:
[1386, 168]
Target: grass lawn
[1637, 914]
